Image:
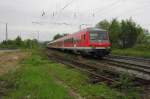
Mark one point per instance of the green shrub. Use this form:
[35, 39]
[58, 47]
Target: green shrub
[142, 47]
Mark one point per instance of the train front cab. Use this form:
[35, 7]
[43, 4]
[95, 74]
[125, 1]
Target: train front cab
[99, 43]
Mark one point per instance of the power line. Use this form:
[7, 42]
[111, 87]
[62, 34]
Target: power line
[67, 5]
[106, 8]
[109, 6]
[56, 23]
[75, 14]
[63, 8]
[137, 9]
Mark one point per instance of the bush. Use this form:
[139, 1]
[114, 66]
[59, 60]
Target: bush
[19, 43]
[142, 47]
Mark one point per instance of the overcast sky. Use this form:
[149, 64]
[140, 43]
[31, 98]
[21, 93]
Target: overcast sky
[24, 17]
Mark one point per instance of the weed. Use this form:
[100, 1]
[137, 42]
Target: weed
[33, 81]
[132, 52]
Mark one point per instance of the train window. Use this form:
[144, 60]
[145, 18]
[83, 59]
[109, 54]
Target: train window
[98, 36]
[70, 40]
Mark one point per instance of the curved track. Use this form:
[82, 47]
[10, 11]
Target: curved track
[138, 68]
[94, 66]
[90, 69]
[140, 59]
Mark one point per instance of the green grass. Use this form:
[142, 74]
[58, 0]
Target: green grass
[37, 79]
[132, 52]
[139, 50]
[79, 82]
[34, 81]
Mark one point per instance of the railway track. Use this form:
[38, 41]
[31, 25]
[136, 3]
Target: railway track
[138, 68]
[130, 58]
[90, 69]
[93, 68]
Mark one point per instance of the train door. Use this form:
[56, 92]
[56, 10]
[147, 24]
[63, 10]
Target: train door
[75, 42]
[87, 39]
[78, 40]
[83, 39]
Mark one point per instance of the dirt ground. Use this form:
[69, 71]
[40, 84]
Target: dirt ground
[9, 60]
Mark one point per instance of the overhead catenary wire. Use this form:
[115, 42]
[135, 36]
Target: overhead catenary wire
[103, 11]
[133, 11]
[75, 14]
[56, 23]
[63, 8]
[67, 5]
[106, 7]
[130, 10]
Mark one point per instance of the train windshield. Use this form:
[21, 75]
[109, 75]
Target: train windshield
[98, 36]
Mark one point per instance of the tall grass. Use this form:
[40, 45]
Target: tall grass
[132, 52]
[34, 81]
[79, 82]
[37, 79]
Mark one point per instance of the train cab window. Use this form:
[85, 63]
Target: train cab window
[98, 36]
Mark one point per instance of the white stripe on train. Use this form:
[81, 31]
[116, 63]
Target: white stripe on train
[82, 47]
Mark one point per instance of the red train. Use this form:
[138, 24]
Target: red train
[91, 41]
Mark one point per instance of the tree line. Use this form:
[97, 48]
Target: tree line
[125, 33]
[19, 43]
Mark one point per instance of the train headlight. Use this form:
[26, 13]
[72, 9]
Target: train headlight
[107, 47]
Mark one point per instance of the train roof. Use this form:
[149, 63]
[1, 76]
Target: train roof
[94, 29]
